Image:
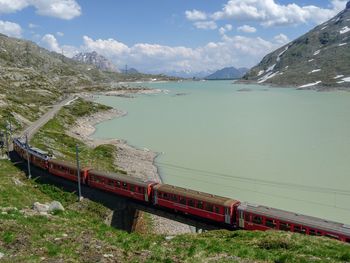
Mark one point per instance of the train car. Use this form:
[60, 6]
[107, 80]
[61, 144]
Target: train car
[39, 158]
[121, 184]
[67, 170]
[258, 217]
[212, 207]
[19, 147]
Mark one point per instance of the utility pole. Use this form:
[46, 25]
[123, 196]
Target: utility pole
[7, 144]
[126, 69]
[28, 162]
[78, 171]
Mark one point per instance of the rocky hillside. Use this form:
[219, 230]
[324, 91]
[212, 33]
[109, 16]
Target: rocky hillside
[227, 73]
[96, 60]
[33, 78]
[321, 57]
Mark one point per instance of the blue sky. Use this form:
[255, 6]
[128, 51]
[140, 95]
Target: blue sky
[166, 35]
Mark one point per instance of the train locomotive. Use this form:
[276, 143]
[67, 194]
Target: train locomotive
[223, 211]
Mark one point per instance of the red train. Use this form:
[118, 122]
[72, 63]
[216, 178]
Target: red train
[222, 210]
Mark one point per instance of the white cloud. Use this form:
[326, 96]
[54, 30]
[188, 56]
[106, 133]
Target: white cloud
[50, 42]
[195, 15]
[205, 25]
[32, 26]
[64, 9]
[225, 28]
[155, 58]
[281, 39]
[270, 13]
[10, 29]
[246, 29]
[60, 34]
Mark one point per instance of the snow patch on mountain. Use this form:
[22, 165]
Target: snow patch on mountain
[310, 84]
[344, 30]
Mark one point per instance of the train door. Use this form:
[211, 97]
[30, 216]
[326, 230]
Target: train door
[227, 215]
[241, 219]
[146, 190]
[155, 194]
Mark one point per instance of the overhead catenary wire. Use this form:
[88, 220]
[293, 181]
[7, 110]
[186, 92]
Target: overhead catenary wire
[255, 180]
[267, 194]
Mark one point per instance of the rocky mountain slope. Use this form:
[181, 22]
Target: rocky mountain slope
[321, 57]
[33, 78]
[227, 73]
[99, 61]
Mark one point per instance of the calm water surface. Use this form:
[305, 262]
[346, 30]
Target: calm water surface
[280, 147]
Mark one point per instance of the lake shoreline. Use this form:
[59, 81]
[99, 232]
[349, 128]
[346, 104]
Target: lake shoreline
[135, 161]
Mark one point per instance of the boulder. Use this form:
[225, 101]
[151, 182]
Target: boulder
[41, 208]
[55, 206]
[348, 5]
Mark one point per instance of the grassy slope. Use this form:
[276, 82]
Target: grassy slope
[52, 137]
[34, 237]
[79, 234]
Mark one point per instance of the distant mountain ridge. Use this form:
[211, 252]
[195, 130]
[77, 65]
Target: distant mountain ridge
[320, 57]
[99, 61]
[228, 73]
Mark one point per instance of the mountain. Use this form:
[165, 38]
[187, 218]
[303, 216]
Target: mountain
[129, 71]
[228, 73]
[321, 57]
[97, 60]
[33, 78]
[188, 74]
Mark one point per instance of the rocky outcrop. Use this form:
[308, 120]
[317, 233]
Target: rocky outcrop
[48, 208]
[96, 60]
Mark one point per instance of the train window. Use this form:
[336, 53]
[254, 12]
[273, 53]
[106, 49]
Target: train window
[182, 200]
[217, 209]
[209, 207]
[190, 202]
[125, 186]
[284, 226]
[257, 219]
[132, 188]
[247, 217]
[303, 230]
[200, 204]
[72, 172]
[270, 223]
[312, 232]
[165, 196]
[174, 198]
[110, 182]
[118, 184]
[297, 229]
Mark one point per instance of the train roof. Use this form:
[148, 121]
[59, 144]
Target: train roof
[205, 197]
[296, 218]
[64, 163]
[121, 177]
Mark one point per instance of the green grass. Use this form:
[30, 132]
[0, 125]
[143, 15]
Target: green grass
[53, 138]
[79, 235]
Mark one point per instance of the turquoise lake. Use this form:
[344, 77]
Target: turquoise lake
[280, 147]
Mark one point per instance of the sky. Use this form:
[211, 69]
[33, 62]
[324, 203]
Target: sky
[161, 36]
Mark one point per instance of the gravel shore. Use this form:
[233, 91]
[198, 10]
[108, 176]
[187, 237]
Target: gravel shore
[136, 162]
